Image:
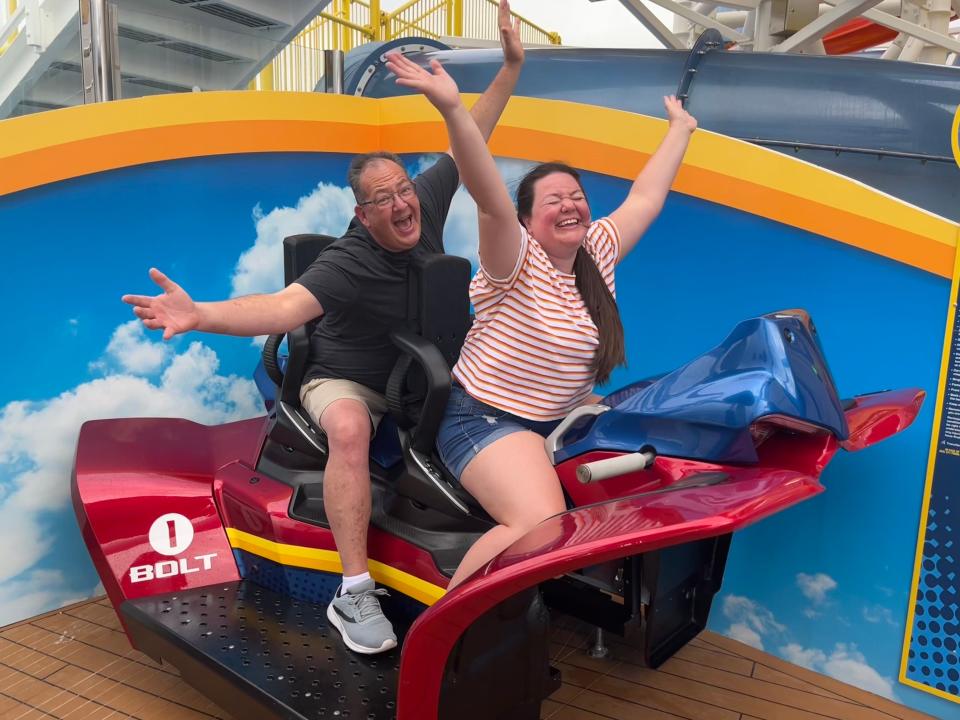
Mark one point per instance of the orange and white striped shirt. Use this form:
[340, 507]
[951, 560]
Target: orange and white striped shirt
[532, 342]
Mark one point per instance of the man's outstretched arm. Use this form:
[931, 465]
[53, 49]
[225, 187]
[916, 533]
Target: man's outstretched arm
[175, 312]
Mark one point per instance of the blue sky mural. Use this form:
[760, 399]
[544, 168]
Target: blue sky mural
[825, 584]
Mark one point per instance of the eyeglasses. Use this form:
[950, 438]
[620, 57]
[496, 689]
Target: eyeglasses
[385, 199]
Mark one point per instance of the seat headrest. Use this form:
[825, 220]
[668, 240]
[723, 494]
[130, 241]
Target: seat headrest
[441, 302]
[299, 251]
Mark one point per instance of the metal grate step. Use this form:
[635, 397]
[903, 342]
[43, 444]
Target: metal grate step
[233, 14]
[201, 52]
[260, 654]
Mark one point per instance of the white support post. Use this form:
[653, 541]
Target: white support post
[935, 15]
[742, 4]
[33, 27]
[735, 19]
[762, 39]
[911, 51]
[896, 47]
[689, 31]
[831, 19]
[699, 19]
[652, 23]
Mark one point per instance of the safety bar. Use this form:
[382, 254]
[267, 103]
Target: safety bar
[612, 467]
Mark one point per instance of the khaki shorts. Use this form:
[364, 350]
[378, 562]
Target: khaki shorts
[317, 394]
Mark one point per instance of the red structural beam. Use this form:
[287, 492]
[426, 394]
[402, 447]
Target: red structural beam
[858, 34]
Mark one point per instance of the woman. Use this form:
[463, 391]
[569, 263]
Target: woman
[547, 327]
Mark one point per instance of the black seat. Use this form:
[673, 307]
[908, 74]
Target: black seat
[419, 386]
[290, 425]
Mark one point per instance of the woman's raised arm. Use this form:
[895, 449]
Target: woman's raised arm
[499, 228]
[649, 191]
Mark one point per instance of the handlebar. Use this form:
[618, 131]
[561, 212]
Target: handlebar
[611, 467]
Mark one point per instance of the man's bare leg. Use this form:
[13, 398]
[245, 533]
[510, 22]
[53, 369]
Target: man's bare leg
[346, 481]
[355, 611]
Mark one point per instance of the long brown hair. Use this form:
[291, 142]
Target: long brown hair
[593, 289]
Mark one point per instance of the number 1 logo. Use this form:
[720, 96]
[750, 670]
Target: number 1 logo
[171, 534]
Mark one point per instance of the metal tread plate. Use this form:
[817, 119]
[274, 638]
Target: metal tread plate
[255, 644]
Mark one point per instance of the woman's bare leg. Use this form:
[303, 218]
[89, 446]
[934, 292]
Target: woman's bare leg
[516, 484]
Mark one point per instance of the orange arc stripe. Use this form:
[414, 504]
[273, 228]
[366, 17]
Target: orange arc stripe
[216, 136]
[136, 147]
[861, 232]
[855, 230]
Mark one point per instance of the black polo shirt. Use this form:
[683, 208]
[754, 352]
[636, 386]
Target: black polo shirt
[363, 289]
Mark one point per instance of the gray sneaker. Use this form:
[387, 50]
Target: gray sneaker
[357, 615]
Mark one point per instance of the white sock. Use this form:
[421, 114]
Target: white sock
[350, 580]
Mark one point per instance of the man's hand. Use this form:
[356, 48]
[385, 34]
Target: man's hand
[174, 311]
[509, 35]
[677, 116]
[438, 87]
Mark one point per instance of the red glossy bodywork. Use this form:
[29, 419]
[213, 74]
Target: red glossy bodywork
[581, 537]
[129, 473]
[806, 454]
[871, 419]
[877, 417]
[261, 508]
[206, 474]
[790, 464]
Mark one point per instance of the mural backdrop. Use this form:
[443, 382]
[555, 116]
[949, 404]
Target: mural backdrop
[825, 585]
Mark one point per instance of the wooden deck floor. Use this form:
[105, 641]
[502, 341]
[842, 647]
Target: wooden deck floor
[76, 663]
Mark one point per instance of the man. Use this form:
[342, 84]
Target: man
[358, 286]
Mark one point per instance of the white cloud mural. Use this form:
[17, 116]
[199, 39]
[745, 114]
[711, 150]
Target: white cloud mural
[461, 236]
[844, 663]
[750, 621]
[877, 614]
[816, 587]
[327, 210]
[755, 625]
[133, 352]
[142, 377]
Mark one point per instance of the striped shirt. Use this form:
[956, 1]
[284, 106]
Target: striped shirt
[532, 342]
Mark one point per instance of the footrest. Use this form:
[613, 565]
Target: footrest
[259, 654]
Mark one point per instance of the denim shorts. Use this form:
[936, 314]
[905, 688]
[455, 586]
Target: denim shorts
[468, 426]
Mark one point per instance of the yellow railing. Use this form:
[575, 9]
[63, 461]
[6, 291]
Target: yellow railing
[299, 66]
[350, 23]
[6, 42]
[458, 18]
[427, 18]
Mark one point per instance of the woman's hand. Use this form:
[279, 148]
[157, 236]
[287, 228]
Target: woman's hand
[438, 87]
[677, 116]
[509, 35]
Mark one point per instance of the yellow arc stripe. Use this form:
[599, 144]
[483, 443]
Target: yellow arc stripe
[83, 122]
[710, 151]
[955, 136]
[329, 561]
[45, 147]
